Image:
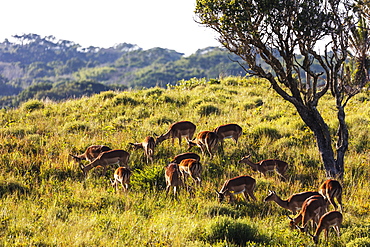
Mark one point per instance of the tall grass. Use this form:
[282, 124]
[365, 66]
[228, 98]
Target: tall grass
[46, 201]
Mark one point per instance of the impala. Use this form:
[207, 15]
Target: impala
[121, 175]
[233, 131]
[293, 203]
[191, 167]
[264, 166]
[206, 140]
[331, 189]
[148, 144]
[91, 153]
[237, 185]
[110, 157]
[329, 219]
[178, 130]
[178, 158]
[172, 176]
[312, 209]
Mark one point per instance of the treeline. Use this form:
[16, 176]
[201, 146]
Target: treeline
[38, 67]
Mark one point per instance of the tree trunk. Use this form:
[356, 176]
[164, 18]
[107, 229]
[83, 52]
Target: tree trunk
[342, 143]
[311, 116]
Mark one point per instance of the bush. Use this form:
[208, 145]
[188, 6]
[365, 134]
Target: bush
[359, 242]
[33, 105]
[206, 110]
[149, 178]
[233, 231]
[124, 100]
[266, 131]
[76, 126]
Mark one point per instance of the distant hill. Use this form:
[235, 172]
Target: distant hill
[33, 66]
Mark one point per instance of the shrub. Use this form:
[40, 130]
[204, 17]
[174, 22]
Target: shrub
[161, 120]
[356, 233]
[107, 95]
[149, 178]
[206, 110]
[156, 92]
[33, 105]
[234, 231]
[266, 131]
[124, 100]
[76, 126]
[359, 242]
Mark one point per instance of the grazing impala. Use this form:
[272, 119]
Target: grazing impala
[178, 130]
[172, 176]
[237, 185]
[178, 158]
[110, 157]
[330, 219]
[148, 144]
[293, 203]
[121, 175]
[91, 153]
[331, 189]
[312, 209]
[233, 131]
[206, 140]
[264, 166]
[191, 167]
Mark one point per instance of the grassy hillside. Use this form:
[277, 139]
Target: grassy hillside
[45, 200]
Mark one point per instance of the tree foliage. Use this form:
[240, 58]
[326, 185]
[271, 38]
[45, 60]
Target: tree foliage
[289, 36]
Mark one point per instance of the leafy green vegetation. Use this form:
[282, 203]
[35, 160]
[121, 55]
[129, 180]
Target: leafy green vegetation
[35, 67]
[46, 201]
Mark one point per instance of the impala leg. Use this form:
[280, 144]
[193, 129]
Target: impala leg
[331, 200]
[245, 195]
[252, 196]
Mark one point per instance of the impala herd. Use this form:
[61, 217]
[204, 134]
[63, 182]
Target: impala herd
[306, 206]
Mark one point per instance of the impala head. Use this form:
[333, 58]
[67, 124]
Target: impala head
[160, 139]
[83, 169]
[270, 196]
[244, 159]
[190, 144]
[113, 183]
[136, 146]
[221, 196]
[75, 157]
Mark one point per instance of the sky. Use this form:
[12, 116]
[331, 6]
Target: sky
[147, 23]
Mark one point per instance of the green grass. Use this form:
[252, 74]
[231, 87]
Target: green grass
[45, 200]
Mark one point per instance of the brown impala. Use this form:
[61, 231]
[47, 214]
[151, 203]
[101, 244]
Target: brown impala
[331, 189]
[330, 219]
[237, 185]
[178, 130]
[91, 153]
[205, 140]
[110, 157]
[233, 131]
[264, 166]
[178, 158]
[293, 203]
[148, 144]
[191, 167]
[172, 176]
[121, 175]
[312, 209]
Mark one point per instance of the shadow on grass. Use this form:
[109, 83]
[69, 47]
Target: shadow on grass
[10, 188]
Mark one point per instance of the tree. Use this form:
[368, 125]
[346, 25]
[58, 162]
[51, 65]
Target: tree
[286, 34]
